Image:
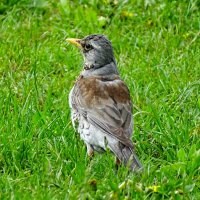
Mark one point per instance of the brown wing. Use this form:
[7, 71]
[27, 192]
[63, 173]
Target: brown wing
[106, 105]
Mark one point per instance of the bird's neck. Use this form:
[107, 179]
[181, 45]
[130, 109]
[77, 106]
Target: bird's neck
[109, 69]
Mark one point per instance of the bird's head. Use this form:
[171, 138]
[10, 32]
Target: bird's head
[97, 51]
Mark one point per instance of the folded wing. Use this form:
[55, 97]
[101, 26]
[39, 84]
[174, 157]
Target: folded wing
[105, 103]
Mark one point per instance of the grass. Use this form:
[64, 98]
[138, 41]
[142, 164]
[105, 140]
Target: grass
[157, 47]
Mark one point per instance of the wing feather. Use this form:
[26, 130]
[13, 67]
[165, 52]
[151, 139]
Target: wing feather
[106, 105]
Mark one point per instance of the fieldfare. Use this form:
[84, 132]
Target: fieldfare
[100, 102]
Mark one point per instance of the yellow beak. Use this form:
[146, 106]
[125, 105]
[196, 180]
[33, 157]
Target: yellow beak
[74, 41]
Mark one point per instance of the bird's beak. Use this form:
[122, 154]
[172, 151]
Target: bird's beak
[74, 41]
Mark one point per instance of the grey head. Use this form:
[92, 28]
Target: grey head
[98, 55]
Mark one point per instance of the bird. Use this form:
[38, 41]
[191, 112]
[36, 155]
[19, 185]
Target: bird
[100, 103]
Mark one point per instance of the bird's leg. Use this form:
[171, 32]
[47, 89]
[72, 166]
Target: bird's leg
[117, 162]
[90, 150]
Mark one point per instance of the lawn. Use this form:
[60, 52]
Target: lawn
[157, 48]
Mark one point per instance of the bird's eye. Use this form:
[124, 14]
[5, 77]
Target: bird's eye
[87, 47]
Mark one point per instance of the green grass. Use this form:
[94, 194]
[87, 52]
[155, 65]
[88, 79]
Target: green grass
[157, 47]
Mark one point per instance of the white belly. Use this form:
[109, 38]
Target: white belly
[94, 136]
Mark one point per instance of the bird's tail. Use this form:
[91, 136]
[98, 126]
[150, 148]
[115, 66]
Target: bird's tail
[128, 157]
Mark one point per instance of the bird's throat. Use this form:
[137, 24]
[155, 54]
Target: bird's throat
[92, 70]
[88, 66]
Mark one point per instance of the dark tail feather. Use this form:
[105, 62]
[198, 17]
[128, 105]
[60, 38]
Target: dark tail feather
[128, 157]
